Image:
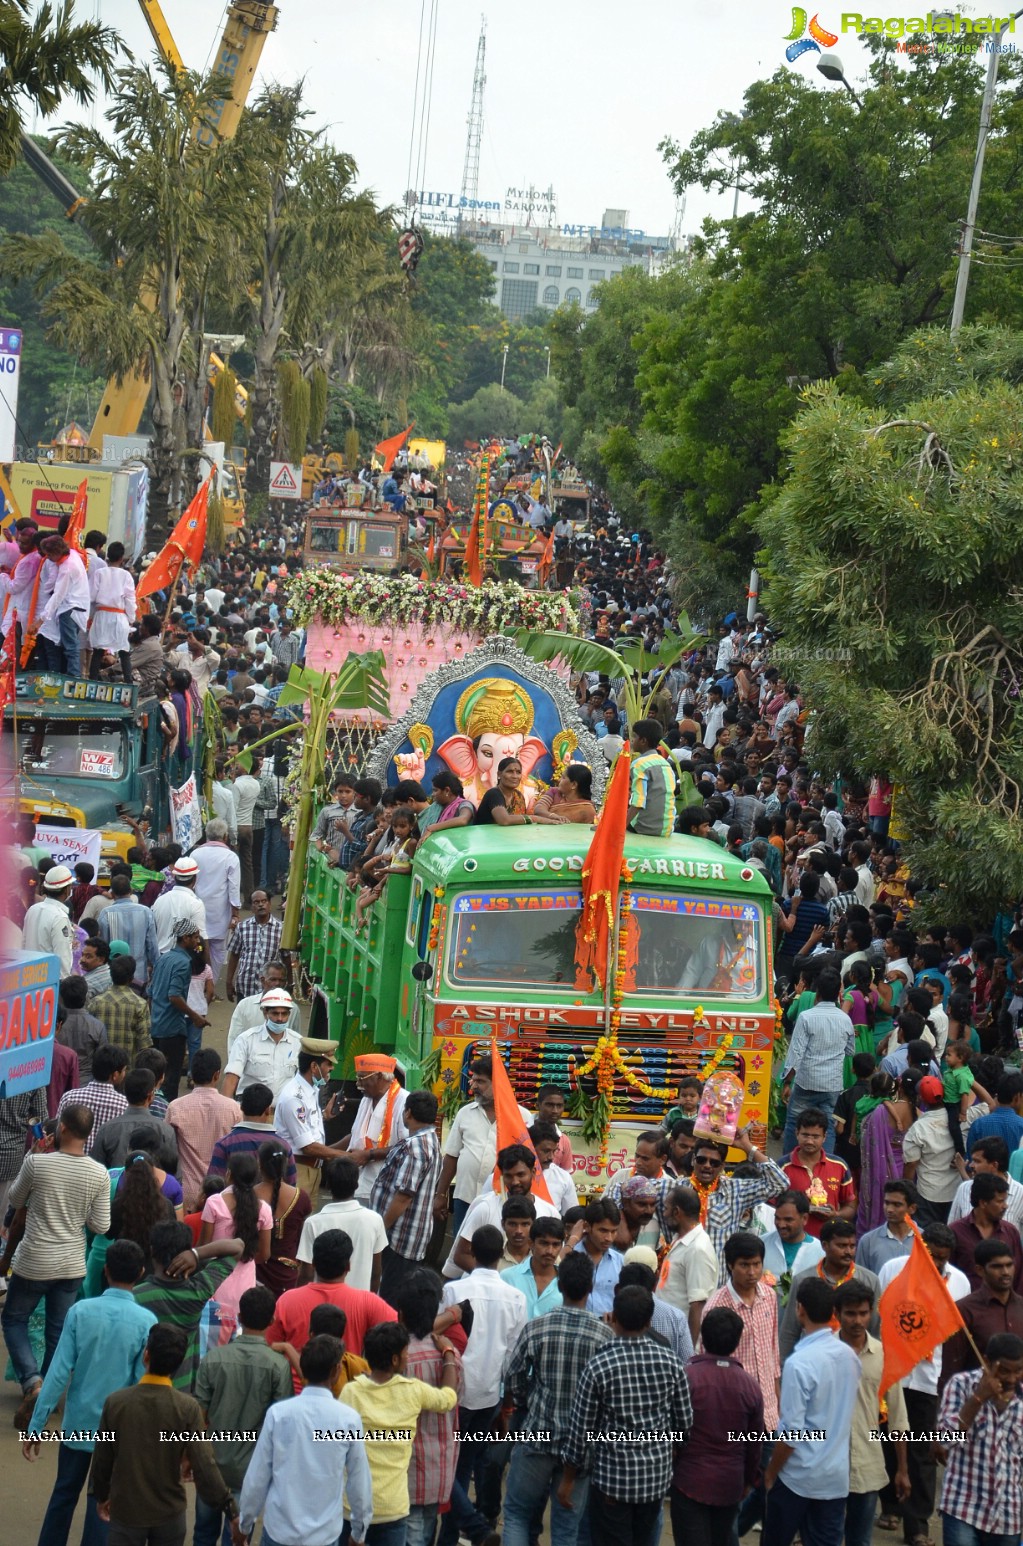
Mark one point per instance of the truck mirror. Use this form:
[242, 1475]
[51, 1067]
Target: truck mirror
[422, 971]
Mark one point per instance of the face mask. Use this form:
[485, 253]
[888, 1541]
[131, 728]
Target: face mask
[318, 1082]
[274, 1028]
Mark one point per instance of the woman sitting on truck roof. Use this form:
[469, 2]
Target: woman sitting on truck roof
[570, 799]
[450, 808]
[505, 806]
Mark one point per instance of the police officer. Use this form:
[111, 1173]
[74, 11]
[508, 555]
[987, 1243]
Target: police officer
[299, 1117]
[47, 925]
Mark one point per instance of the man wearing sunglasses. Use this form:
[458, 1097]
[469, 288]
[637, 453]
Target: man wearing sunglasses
[724, 1199]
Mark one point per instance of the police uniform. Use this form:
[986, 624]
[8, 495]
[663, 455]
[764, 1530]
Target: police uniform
[48, 929]
[298, 1117]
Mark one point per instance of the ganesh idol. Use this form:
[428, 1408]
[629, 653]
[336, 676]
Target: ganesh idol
[493, 718]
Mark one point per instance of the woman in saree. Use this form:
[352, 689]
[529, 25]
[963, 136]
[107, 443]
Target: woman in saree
[882, 1119]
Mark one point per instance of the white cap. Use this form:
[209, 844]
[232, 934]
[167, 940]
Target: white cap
[57, 878]
[277, 998]
[185, 868]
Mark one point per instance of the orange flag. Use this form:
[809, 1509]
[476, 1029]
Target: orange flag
[510, 1126]
[388, 449]
[602, 875]
[546, 560]
[917, 1314]
[185, 545]
[76, 526]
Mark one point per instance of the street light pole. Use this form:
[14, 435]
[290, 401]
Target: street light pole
[504, 362]
[966, 247]
[548, 364]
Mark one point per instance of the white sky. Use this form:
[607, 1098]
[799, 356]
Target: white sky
[579, 92]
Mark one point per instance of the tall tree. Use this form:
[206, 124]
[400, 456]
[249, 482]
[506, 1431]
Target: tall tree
[47, 58]
[893, 556]
[161, 209]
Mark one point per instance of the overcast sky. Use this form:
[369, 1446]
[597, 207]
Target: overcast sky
[578, 93]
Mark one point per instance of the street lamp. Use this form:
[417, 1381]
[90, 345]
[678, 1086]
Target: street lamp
[986, 104]
[832, 68]
[504, 363]
[548, 354]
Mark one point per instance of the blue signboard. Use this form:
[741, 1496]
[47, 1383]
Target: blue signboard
[28, 1020]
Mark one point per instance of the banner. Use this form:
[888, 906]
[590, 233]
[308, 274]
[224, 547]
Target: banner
[28, 1020]
[71, 845]
[186, 817]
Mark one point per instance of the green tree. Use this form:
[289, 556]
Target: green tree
[893, 557]
[47, 58]
[161, 207]
[55, 388]
[490, 411]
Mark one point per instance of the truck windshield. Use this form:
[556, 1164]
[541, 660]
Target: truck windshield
[69, 748]
[515, 937]
[696, 945]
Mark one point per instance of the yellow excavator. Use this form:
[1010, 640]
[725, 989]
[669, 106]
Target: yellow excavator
[247, 26]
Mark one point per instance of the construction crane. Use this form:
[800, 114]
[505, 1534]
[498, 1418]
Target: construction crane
[474, 137]
[245, 32]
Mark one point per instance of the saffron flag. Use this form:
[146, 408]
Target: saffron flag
[546, 560]
[510, 1126]
[387, 450]
[76, 526]
[185, 545]
[602, 875]
[8, 668]
[917, 1314]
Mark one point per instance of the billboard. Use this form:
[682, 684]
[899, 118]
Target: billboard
[10, 375]
[28, 1020]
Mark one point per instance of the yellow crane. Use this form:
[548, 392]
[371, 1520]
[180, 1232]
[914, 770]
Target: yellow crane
[245, 32]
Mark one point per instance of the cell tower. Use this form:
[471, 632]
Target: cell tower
[473, 139]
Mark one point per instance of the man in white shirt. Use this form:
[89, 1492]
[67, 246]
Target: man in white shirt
[378, 1121]
[990, 1156]
[920, 1386]
[364, 1228]
[268, 1052]
[195, 657]
[246, 793]
[224, 807]
[47, 928]
[545, 1138]
[470, 1152]
[689, 1271]
[113, 611]
[499, 1313]
[248, 1014]
[218, 887]
[65, 617]
[518, 1171]
[179, 905]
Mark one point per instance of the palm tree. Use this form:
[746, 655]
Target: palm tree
[44, 60]
[162, 209]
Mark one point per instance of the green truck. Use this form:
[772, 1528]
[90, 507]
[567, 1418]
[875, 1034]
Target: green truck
[479, 941]
[80, 754]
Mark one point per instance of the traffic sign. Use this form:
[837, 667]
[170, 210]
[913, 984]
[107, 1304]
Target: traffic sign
[285, 480]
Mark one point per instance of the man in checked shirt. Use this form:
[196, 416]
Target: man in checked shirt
[981, 1493]
[631, 1409]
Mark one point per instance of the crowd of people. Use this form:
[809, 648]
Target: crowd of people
[395, 1338]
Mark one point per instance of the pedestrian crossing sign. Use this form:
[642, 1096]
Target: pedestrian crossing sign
[285, 480]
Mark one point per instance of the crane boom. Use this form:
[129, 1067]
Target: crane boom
[245, 32]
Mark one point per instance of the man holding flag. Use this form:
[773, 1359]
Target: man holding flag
[981, 1494]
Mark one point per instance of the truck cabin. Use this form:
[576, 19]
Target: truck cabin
[75, 753]
[352, 540]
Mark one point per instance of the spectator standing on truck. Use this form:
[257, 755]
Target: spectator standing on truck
[65, 616]
[113, 612]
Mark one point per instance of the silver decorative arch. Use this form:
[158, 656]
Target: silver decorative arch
[493, 654]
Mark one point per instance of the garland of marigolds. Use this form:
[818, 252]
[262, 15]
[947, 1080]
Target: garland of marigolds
[607, 1057]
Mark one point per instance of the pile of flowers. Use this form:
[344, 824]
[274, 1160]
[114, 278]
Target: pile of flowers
[375, 598]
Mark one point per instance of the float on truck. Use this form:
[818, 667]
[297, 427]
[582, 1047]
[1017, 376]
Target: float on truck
[479, 940]
[78, 753]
